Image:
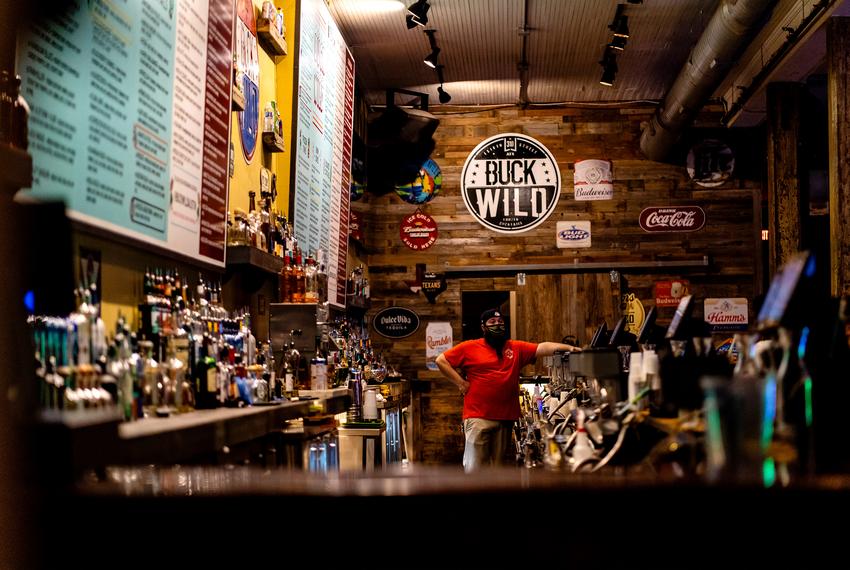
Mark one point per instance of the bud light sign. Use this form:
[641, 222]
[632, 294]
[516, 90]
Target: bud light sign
[672, 219]
[510, 183]
[395, 322]
[248, 60]
[573, 234]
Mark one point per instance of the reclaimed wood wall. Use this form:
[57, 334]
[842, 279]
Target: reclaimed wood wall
[550, 306]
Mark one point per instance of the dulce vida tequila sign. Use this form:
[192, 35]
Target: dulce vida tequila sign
[510, 183]
[672, 219]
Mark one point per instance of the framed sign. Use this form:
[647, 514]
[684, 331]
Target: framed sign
[130, 126]
[322, 130]
[510, 183]
[730, 314]
[593, 180]
[573, 234]
[395, 322]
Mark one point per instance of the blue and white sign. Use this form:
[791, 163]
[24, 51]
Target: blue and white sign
[573, 234]
[248, 60]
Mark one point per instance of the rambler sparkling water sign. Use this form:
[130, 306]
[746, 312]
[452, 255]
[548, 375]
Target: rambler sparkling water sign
[510, 183]
[593, 180]
[573, 234]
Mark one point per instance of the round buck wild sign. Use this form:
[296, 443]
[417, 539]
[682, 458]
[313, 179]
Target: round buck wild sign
[510, 183]
[395, 322]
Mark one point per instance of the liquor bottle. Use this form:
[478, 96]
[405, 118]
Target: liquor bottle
[285, 280]
[299, 278]
[206, 376]
[311, 284]
[321, 277]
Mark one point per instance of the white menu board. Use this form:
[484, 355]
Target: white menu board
[130, 119]
[322, 125]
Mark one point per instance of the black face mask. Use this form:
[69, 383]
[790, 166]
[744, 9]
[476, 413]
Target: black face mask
[495, 331]
[496, 336]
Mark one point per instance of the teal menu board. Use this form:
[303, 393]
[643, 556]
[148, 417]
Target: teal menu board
[323, 124]
[130, 117]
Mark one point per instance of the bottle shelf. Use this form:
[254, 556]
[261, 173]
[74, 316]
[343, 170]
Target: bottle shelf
[237, 100]
[358, 302]
[273, 142]
[16, 166]
[272, 42]
[254, 257]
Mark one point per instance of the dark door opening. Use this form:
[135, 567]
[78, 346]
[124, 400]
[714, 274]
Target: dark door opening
[473, 303]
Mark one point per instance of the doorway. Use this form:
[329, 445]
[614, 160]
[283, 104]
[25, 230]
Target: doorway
[473, 303]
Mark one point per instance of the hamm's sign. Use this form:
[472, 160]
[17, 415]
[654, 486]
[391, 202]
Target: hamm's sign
[510, 183]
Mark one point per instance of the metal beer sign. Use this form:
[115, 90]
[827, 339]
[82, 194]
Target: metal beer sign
[395, 322]
[510, 183]
[672, 219]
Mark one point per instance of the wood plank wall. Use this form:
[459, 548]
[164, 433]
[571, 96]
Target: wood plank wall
[554, 305]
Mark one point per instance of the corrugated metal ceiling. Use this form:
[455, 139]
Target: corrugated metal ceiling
[482, 45]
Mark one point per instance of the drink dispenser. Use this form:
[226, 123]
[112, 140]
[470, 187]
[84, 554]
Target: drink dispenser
[562, 378]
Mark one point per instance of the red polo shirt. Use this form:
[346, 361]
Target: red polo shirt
[493, 383]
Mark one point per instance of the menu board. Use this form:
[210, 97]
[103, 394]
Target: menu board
[323, 126]
[130, 117]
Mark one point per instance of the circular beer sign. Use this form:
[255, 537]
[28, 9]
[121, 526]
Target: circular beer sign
[510, 183]
[418, 231]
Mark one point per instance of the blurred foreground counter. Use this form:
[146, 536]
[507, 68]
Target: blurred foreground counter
[438, 517]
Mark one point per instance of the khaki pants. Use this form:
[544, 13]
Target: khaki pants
[486, 442]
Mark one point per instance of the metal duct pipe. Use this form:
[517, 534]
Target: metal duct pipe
[717, 48]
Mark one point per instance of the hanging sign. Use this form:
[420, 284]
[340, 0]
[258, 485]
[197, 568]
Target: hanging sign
[432, 285]
[248, 60]
[438, 339]
[669, 293]
[573, 234]
[424, 187]
[710, 163]
[634, 311]
[672, 219]
[727, 314]
[355, 226]
[593, 180]
[395, 322]
[418, 231]
[510, 183]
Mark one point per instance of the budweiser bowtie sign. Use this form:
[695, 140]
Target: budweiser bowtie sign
[510, 183]
[672, 219]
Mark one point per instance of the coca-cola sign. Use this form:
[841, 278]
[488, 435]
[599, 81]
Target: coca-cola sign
[672, 219]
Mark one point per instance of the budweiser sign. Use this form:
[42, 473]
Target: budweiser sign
[672, 219]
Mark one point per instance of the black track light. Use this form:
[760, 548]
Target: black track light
[431, 59]
[417, 14]
[609, 68]
[622, 29]
[444, 97]
[620, 24]
[618, 43]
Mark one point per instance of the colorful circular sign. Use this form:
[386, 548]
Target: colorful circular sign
[426, 185]
[510, 183]
[395, 322]
[247, 58]
[418, 231]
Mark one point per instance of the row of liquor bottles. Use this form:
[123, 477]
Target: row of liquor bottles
[264, 228]
[188, 353]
